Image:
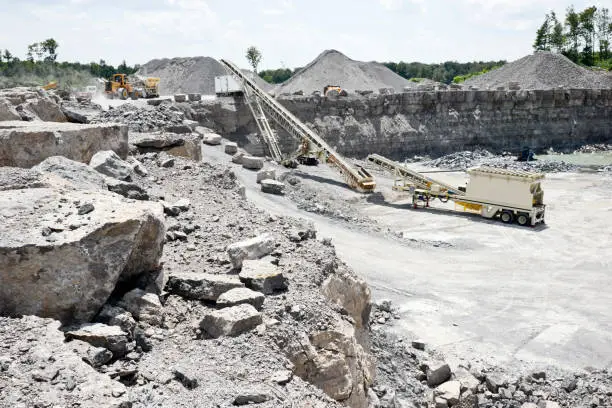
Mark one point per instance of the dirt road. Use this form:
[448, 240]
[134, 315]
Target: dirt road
[476, 289]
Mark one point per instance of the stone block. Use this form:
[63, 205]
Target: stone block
[201, 286]
[180, 98]
[438, 373]
[252, 162]
[272, 187]
[212, 139]
[230, 321]
[231, 148]
[101, 335]
[253, 248]
[239, 296]
[237, 158]
[108, 163]
[263, 276]
[195, 97]
[266, 174]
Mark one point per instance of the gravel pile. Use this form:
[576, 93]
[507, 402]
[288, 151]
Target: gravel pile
[142, 119]
[542, 70]
[463, 160]
[594, 148]
[334, 68]
[189, 75]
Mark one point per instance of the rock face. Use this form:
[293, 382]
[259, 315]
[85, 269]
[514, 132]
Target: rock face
[435, 122]
[334, 362]
[352, 293]
[25, 144]
[68, 269]
[7, 111]
[201, 286]
[231, 321]
[253, 248]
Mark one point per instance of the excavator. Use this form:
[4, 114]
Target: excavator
[119, 87]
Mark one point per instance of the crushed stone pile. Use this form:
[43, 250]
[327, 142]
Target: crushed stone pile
[184, 75]
[189, 75]
[142, 119]
[332, 67]
[542, 70]
[480, 157]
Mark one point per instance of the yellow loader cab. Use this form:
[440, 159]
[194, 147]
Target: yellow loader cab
[119, 87]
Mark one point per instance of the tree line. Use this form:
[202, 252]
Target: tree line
[582, 36]
[41, 66]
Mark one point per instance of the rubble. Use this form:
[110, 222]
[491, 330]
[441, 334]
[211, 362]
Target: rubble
[142, 119]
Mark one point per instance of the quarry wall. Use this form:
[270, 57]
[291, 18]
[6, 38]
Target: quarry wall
[434, 123]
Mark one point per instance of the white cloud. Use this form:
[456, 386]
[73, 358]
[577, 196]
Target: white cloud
[273, 12]
[392, 4]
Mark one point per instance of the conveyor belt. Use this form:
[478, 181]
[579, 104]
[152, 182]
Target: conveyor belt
[356, 177]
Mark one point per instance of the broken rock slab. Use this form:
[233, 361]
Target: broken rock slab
[25, 144]
[272, 187]
[438, 373]
[108, 163]
[100, 335]
[450, 391]
[239, 296]
[65, 265]
[231, 321]
[156, 140]
[352, 294]
[201, 286]
[212, 139]
[180, 98]
[7, 111]
[253, 248]
[252, 162]
[263, 276]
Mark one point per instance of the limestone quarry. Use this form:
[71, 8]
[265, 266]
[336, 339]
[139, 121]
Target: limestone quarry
[153, 254]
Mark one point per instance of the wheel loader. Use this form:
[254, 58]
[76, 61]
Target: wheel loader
[119, 87]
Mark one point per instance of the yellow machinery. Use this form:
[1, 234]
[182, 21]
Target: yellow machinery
[119, 87]
[50, 85]
[333, 90]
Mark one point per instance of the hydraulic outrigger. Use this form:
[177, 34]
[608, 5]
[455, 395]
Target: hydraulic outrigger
[262, 104]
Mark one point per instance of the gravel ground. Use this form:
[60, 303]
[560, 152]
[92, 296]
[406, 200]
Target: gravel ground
[466, 159]
[334, 68]
[542, 70]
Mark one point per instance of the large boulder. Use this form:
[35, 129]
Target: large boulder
[108, 163]
[25, 144]
[46, 110]
[71, 249]
[201, 286]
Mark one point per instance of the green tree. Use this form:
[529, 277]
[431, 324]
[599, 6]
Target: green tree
[253, 55]
[541, 42]
[49, 47]
[587, 32]
[604, 32]
[557, 36]
[572, 22]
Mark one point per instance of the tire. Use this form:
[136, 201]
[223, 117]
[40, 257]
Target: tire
[522, 219]
[123, 94]
[507, 217]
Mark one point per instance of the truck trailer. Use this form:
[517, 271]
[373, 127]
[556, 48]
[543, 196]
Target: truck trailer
[508, 195]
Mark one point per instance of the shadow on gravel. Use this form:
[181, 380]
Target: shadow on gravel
[379, 199]
[320, 179]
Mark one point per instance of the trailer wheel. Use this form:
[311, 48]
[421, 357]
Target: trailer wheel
[522, 219]
[507, 217]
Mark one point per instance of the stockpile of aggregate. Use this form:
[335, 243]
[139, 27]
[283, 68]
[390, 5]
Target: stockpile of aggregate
[542, 70]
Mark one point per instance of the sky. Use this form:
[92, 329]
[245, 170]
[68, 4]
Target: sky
[289, 33]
